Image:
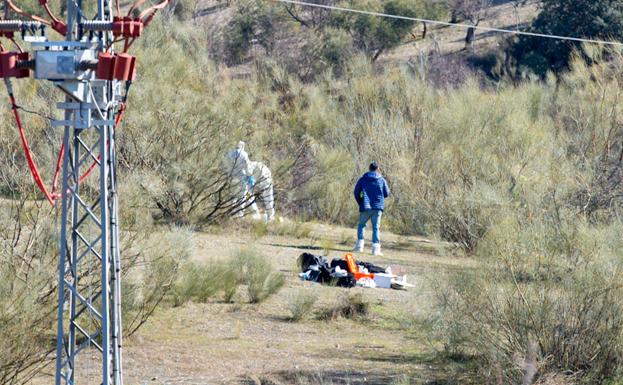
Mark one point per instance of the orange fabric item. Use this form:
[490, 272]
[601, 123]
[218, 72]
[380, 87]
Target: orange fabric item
[358, 276]
[352, 267]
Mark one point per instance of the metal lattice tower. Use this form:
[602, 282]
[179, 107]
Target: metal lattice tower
[90, 73]
[89, 309]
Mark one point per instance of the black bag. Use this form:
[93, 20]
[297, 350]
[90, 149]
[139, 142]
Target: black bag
[307, 259]
[339, 262]
[320, 270]
[348, 281]
[372, 268]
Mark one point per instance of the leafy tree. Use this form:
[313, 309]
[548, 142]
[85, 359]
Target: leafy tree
[432, 10]
[184, 9]
[374, 34]
[330, 48]
[472, 11]
[311, 17]
[596, 19]
[251, 23]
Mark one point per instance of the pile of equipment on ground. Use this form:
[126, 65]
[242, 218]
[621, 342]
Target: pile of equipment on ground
[348, 273]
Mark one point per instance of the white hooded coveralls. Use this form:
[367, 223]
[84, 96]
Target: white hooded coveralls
[238, 168]
[264, 186]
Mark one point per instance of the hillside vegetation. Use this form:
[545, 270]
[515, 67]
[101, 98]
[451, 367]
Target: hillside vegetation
[524, 173]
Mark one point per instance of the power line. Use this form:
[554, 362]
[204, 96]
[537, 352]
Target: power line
[438, 22]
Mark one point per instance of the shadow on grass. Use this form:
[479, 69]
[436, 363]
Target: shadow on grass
[284, 319]
[308, 247]
[374, 355]
[429, 368]
[346, 377]
[300, 247]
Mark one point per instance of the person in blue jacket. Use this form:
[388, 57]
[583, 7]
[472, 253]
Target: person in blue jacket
[370, 193]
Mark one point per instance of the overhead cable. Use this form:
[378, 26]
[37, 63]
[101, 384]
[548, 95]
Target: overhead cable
[460, 25]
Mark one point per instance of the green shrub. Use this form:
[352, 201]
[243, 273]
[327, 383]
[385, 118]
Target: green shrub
[259, 229]
[229, 280]
[301, 303]
[196, 282]
[28, 294]
[185, 9]
[153, 279]
[262, 287]
[373, 35]
[257, 273]
[58, 7]
[201, 282]
[187, 183]
[252, 20]
[545, 297]
[327, 49]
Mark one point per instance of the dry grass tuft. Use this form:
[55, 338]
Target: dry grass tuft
[350, 306]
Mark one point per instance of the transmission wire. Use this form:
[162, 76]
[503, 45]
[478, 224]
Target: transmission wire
[460, 25]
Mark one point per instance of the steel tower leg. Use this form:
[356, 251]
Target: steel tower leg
[89, 268]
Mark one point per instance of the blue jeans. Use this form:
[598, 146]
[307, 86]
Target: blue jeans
[375, 217]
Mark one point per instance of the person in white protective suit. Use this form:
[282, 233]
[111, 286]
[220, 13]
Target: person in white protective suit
[263, 188]
[241, 178]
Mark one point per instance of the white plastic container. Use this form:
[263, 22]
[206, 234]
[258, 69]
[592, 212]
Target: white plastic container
[383, 280]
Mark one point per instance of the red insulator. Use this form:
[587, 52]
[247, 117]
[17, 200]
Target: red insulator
[7, 34]
[125, 67]
[8, 65]
[105, 66]
[117, 26]
[43, 2]
[128, 26]
[138, 27]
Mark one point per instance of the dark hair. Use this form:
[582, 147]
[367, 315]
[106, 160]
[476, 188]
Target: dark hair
[374, 166]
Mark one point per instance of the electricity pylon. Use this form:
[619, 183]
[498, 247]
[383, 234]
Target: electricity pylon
[89, 337]
[91, 75]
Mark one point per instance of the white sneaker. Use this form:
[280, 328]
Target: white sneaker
[376, 249]
[359, 246]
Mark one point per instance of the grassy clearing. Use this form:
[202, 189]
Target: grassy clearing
[237, 340]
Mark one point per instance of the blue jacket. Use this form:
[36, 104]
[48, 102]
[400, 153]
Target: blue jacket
[370, 192]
